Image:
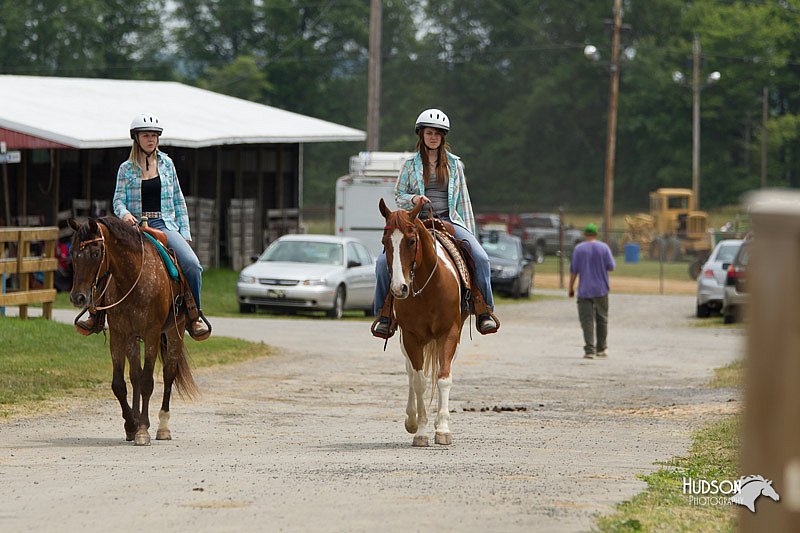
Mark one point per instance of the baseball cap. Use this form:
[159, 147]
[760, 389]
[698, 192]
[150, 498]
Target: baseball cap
[590, 229]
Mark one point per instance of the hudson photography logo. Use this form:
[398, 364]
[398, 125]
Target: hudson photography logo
[743, 491]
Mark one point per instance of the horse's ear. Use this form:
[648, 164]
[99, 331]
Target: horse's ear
[415, 211]
[383, 209]
[93, 225]
[73, 224]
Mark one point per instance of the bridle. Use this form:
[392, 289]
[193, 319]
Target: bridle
[107, 275]
[432, 231]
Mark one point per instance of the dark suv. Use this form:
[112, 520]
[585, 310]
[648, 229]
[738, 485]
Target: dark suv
[736, 285]
[540, 235]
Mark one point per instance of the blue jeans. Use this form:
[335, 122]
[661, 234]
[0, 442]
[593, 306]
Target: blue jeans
[187, 259]
[483, 273]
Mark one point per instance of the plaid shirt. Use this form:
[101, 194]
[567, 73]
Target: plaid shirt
[411, 182]
[128, 195]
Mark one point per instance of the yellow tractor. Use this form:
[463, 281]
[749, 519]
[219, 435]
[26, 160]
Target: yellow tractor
[672, 230]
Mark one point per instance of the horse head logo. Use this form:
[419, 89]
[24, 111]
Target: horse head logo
[750, 488]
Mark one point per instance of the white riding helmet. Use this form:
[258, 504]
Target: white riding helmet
[145, 122]
[432, 118]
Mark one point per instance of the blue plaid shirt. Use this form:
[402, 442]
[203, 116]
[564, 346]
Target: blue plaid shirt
[128, 195]
[411, 182]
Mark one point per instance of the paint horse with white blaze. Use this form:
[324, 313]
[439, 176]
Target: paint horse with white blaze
[430, 312]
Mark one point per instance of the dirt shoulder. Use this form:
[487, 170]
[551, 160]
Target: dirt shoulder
[625, 285]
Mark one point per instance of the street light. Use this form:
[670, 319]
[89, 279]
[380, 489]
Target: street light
[590, 52]
[697, 86]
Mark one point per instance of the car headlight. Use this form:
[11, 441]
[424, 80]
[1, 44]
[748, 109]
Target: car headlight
[315, 282]
[246, 279]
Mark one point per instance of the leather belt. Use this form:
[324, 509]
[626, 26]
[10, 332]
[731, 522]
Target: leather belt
[151, 214]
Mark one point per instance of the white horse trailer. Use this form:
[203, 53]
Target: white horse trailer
[372, 176]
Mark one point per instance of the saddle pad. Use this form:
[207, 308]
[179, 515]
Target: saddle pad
[449, 244]
[171, 268]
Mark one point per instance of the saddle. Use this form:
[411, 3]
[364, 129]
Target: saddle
[170, 263]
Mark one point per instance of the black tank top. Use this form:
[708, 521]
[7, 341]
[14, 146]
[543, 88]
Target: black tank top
[151, 194]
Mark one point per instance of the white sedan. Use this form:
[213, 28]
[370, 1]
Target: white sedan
[309, 272]
[711, 281]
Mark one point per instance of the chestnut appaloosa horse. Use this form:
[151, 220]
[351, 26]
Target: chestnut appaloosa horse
[430, 312]
[118, 270]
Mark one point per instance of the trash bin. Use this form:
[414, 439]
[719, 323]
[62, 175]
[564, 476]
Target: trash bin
[632, 252]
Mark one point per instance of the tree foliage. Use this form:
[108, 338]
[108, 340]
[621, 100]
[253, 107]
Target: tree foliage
[529, 112]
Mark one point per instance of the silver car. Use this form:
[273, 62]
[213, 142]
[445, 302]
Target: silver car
[711, 281]
[309, 272]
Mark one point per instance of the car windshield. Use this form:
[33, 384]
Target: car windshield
[322, 253]
[504, 248]
[727, 252]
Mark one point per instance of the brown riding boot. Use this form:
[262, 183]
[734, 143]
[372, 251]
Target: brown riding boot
[94, 323]
[198, 327]
[487, 322]
[384, 325]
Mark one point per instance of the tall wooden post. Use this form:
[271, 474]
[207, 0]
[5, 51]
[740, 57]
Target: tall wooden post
[772, 381]
[764, 135]
[374, 76]
[611, 133]
[696, 88]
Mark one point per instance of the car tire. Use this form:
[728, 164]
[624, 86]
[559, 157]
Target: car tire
[538, 253]
[703, 311]
[729, 316]
[516, 288]
[247, 308]
[338, 304]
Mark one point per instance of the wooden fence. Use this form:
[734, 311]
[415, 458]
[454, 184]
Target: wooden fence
[16, 258]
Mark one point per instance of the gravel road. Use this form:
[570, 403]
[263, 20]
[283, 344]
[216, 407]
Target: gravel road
[312, 439]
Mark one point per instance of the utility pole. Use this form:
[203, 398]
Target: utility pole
[764, 134]
[696, 87]
[611, 134]
[374, 76]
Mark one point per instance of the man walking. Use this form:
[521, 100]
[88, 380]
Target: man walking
[591, 262]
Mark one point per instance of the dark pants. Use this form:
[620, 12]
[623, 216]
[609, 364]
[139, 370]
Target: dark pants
[591, 311]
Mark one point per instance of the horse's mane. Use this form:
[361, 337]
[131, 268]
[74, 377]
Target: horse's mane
[398, 219]
[123, 232]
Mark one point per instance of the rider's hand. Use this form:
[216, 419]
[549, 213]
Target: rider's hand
[571, 293]
[420, 198]
[130, 219]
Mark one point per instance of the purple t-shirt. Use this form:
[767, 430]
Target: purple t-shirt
[591, 261]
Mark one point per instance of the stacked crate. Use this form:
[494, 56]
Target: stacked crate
[241, 231]
[202, 222]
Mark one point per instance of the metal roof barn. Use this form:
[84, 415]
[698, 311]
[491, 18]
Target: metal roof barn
[240, 163]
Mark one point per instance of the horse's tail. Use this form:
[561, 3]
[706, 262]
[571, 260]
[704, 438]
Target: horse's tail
[431, 363]
[184, 381]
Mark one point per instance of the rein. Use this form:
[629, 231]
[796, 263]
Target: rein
[98, 278]
[415, 293]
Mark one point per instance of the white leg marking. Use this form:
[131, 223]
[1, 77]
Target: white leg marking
[420, 385]
[163, 420]
[442, 422]
[411, 406]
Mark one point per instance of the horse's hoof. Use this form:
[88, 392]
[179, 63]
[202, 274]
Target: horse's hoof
[163, 434]
[444, 438]
[411, 427]
[130, 435]
[421, 441]
[142, 438]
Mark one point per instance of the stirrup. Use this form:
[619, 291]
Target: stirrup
[380, 333]
[94, 323]
[491, 317]
[202, 336]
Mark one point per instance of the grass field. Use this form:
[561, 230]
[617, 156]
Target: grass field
[43, 360]
[714, 455]
[642, 269]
